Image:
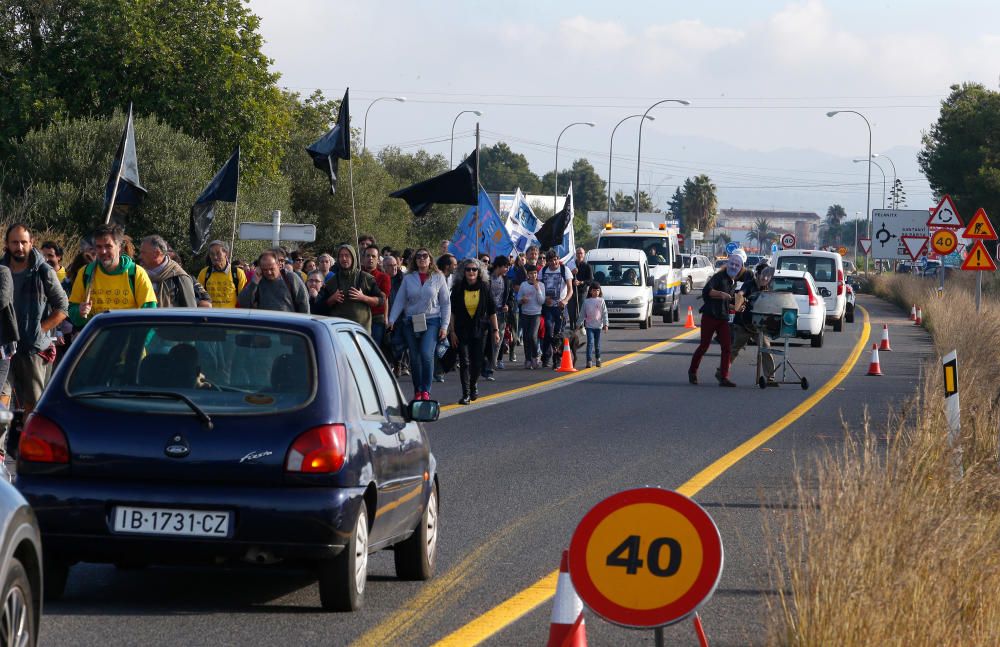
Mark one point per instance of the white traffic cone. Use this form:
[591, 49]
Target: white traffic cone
[874, 368]
[885, 338]
[920, 317]
[567, 628]
[913, 313]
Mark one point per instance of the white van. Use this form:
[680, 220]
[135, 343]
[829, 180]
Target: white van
[626, 284]
[659, 244]
[827, 269]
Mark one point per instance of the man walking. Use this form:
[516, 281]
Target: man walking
[36, 291]
[173, 286]
[370, 264]
[223, 280]
[558, 282]
[274, 289]
[351, 293]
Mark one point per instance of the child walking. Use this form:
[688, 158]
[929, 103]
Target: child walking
[595, 319]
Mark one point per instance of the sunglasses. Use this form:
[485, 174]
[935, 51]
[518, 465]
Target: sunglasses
[422, 256]
[472, 269]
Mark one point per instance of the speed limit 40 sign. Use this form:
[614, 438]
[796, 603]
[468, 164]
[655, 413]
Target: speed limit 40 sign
[788, 241]
[645, 558]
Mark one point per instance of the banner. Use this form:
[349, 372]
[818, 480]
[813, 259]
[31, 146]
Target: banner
[549, 233]
[493, 238]
[521, 223]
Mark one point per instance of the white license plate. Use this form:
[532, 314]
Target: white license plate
[171, 521]
[616, 311]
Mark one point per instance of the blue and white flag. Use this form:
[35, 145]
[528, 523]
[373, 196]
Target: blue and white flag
[522, 223]
[493, 238]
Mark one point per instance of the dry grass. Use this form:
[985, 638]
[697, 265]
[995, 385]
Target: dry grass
[890, 547]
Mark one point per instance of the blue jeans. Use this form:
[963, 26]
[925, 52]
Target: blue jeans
[593, 342]
[422, 347]
[378, 332]
[553, 316]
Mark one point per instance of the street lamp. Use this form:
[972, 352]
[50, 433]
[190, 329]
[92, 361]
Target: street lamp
[868, 198]
[555, 180]
[894, 199]
[883, 177]
[611, 148]
[638, 152]
[364, 133]
[451, 156]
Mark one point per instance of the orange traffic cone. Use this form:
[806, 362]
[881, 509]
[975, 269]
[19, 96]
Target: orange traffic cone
[567, 628]
[566, 365]
[885, 338]
[689, 322]
[920, 318]
[913, 313]
[874, 368]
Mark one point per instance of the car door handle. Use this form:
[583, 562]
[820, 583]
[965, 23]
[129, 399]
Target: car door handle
[401, 436]
[372, 439]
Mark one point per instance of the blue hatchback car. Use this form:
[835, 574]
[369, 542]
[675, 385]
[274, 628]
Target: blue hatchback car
[180, 436]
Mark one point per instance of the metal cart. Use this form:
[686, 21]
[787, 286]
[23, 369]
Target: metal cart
[775, 315]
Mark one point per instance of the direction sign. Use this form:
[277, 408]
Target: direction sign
[945, 214]
[980, 227]
[866, 245]
[889, 226]
[788, 241]
[979, 259]
[287, 231]
[732, 247]
[645, 558]
[944, 241]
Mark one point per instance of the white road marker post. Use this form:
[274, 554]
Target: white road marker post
[952, 408]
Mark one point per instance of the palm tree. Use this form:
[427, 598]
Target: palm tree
[762, 233]
[700, 202]
[835, 215]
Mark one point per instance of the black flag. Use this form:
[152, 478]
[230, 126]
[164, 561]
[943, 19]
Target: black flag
[224, 187]
[551, 233]
[123, 187]
[334, 145]
[457, 186]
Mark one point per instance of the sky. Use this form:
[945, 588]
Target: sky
[760, 77]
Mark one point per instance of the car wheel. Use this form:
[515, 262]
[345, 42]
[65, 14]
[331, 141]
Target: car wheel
[415, 557]
[644, 323]
[838, 324]
[676, 312]
[690, 285]
[849, 315]
[816, 341]
[17, 626]
[342, 579]
[55, 572]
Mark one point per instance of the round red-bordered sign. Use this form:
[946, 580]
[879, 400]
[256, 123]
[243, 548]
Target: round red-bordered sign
[944, 241]
[788, 241]
[645, 558]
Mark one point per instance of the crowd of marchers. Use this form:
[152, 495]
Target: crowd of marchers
[428, 312]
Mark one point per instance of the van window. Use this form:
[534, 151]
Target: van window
[617, 273]
[823, 269]
[656, 248]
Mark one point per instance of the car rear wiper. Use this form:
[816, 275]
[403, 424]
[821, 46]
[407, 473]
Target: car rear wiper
[140, 393]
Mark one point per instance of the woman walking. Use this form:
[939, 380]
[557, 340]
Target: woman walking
[423, 309]
[531, 298]
[595, 319]
[473, 321]
[718, 294]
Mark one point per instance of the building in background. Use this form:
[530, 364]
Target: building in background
[737, 224]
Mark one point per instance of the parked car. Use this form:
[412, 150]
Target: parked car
[213, 435]
[21, 566]
[812, 307]
[827, 270]
[696, 270]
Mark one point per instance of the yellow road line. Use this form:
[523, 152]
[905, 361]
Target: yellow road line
[530, 598]
[584, 371]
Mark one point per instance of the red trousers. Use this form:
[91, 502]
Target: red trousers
[720, 328]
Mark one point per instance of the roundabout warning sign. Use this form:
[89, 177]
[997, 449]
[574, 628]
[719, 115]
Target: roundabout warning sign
[645, 558]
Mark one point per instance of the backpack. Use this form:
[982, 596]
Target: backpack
[233, 271]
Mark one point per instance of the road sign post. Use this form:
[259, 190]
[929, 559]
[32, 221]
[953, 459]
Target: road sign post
[978, 259]
[646, 558]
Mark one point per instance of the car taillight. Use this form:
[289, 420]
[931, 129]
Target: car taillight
[840, 282]
[321, 450]
[813, 299]
[42, 441]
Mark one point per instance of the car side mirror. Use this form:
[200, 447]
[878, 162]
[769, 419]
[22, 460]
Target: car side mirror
[424, 410]
[649, 279]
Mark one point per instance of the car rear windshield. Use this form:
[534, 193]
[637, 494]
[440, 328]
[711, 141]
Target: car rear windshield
[654, 247]
[822, 268]
[790, 284]
[609, 273]
[222, 369]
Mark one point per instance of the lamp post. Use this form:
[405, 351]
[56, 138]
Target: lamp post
[364, 133]
[611, 148]
[883, 177]
[868, 197]
[555, 180]
[451, 155]
[893, 202]
[638, 152]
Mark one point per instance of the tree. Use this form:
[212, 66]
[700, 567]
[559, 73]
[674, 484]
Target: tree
[835, 215]
[961, 151]
[197, 65]
[897, 196]
[623, 202]
[501, 169]
[762, 233]
[700, 202]
[676, 208]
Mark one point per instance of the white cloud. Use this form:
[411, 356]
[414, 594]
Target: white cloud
[583, 34]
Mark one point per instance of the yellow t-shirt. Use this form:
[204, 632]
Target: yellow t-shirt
[112, 291]
[471, 301]
[61, 273]
[220, 286]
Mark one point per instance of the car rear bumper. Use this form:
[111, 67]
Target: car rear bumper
[810, 325]
[285, 522]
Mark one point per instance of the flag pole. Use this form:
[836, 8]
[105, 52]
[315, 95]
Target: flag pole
[477, 190]
[232, 239]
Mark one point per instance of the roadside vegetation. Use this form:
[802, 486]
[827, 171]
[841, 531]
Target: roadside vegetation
[890, 547]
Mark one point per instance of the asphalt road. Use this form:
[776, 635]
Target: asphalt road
[517, 474]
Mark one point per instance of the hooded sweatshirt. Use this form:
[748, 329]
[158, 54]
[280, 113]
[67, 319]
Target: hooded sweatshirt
[36, 292]
[111, 291]
[344, 280]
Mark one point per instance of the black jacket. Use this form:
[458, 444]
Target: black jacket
[717, 308]
[477, 326]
